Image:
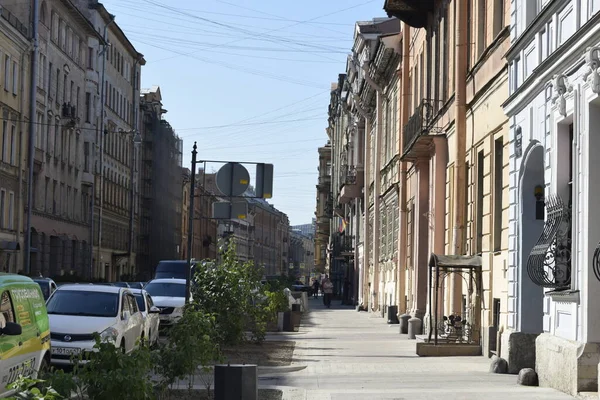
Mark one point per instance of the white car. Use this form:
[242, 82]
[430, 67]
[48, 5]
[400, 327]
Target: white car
[168, 295]
[76, 312]
[150, 313]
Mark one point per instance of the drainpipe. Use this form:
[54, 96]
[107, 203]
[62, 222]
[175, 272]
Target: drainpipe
[134, 161]
[101, 137]
[31, 139]
[364, 276]
[460, 76]
[19, 196]
[376, 189]
[402, 223]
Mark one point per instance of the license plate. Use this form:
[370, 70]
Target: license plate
[65, 351]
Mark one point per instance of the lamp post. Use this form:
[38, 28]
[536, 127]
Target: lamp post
[137, 141]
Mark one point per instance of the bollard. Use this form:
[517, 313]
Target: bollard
[392, 312]
[288, 325]
[296, 315]
[404, 323]
[414, 327]
[236, 382]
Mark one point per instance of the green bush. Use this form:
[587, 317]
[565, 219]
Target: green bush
[190, 347]
[33, 389]
[231, 291]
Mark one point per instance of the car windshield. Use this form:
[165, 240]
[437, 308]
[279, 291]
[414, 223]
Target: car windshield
[45, 286]
[135, 285]
[140, 300]
[160, 289]
[83, 303]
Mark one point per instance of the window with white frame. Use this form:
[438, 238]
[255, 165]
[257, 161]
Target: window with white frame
[11, 211]
[6, 72]
[15, 78]
[2, 208]
[13, 145]
[5, 141]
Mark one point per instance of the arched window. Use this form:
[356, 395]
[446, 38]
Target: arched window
[43, 13]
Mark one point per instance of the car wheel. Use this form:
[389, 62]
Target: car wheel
[44, 368]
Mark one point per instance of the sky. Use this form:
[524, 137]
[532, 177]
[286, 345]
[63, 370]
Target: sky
[249, 81]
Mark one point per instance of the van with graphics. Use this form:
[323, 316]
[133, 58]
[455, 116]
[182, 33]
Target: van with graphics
[24, 330]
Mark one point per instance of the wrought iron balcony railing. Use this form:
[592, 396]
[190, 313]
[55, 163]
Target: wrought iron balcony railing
[549, 263]
[348, 175]
[422, 123]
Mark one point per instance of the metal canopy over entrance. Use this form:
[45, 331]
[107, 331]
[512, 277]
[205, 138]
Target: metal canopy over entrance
[455, 329]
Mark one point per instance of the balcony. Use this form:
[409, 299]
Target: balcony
[345, 247]
[419, 130]
[324, 183]
[69, 115]
[351, 183]
[412, 12]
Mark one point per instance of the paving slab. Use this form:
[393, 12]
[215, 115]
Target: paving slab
[350, 355]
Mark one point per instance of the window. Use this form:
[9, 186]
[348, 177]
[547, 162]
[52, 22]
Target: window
[4, 141]
[43, 13]
[6, 73]
[498, 16]
[481, 27]
[11, 211]
[15, 78]
[46, 195]
[84, 303]
[86, 156]
[13, 145]
[498, 185]
[6, 308]
[48, 133]
[54, 194]
[90, 62]
[49, 80]
[2, 208]
[496, 313]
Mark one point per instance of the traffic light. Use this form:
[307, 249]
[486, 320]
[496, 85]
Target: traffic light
[264, 180]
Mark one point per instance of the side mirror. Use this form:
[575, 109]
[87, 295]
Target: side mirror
[11, 329]
[154, 310]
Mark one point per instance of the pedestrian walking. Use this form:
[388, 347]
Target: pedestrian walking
[327, 288]
[315, 286]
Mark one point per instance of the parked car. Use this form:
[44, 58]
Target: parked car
[173, 269]
[136, 285]
[121, 284]
[299, 286]
[169, 296]
[77, 312]
[150, 313]
[47, 285]
[24, 330]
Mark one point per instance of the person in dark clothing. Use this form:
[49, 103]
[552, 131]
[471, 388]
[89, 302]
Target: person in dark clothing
[315, 288]
[346, 299]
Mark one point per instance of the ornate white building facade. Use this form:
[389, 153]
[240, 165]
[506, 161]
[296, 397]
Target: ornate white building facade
[554, 113]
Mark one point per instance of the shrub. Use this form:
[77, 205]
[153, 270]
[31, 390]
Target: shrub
[231, 291]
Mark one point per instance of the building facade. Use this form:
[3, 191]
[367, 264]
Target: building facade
[14, 98]
[301, 255]
[117, 155]
[61, 214]
[161, 182]
[324, 209]
[553, 254]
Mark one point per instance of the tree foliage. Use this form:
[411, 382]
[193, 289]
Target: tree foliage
[231, 291]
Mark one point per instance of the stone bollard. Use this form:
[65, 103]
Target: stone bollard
[415, 326]
[527, 377]
[236, 382]
[404, 323]
[498, 365]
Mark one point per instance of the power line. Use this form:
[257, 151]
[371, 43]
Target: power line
[264, 33]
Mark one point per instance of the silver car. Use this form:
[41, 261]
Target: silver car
[150, 313]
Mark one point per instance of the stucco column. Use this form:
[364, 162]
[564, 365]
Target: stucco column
[377, 203]
[422, 240]
[367, 216]
[438, 203]
[404, 99]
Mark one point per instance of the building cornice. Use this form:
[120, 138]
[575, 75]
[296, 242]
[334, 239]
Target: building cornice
[537, 24]
[565, 60]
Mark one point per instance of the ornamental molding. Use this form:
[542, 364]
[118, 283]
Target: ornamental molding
[592, 64]
[560, 88]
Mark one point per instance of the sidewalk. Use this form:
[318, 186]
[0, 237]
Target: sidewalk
[357, 356]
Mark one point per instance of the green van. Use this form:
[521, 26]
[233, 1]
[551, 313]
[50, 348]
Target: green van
[24, 330]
